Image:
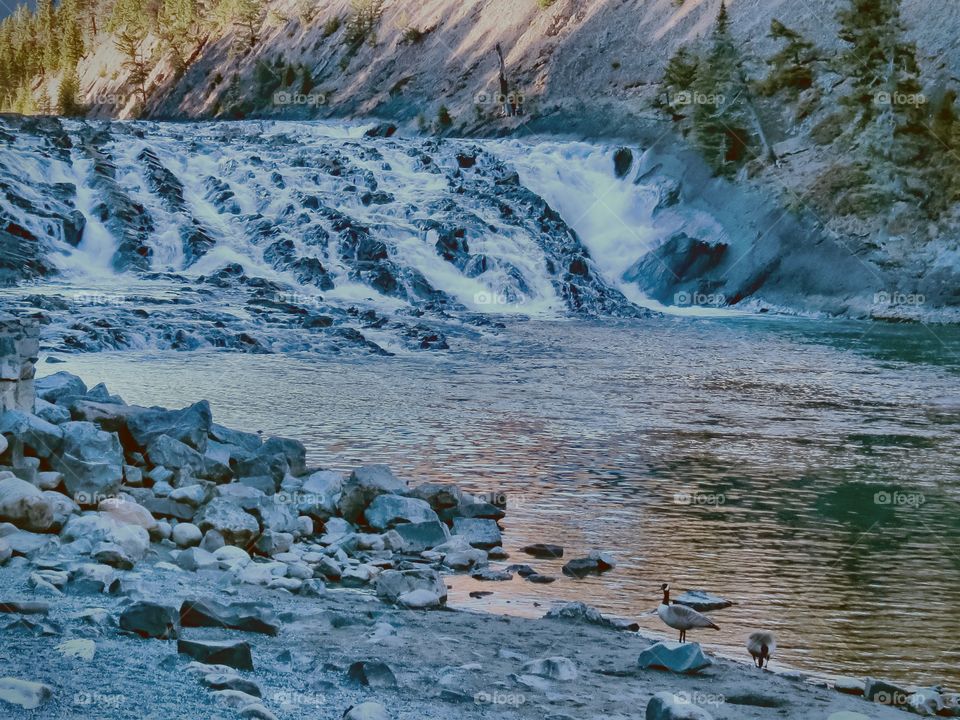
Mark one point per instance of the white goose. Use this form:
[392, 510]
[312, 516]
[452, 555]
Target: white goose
[681, 617]
[761, 645]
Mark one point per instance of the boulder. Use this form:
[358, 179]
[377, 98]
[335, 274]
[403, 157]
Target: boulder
[479, 510]
[491, 575]
[555, 668]
[848, 685]
[581, 612]
[667, 706]
[229, 681]
[54, 414]
[196, 558]
[391, 584]
[164, 507]
[387, 511]
[363, 486]
[123, 509]
[440, 497]
[543, 550]
[25, 543]
[58, 386]
[25, 506]
[372, 673]
[42, 438]
[24, 693]
[292, 450]
[885, 692]
[421, 536]
[232, 653]
[186, 535]
[247, 616]
[479, 532]
[366, 711]
[171, 453]
[594, 564]
[192, 495]
[319, 493]
[675, 657]
[274, 515]
[421, 599]
[248, 441]
[151, 620]
[191, 425]
[237, 526]
[256, 711]
[95, 528]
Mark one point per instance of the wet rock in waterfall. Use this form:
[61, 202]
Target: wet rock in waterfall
[151, 620]
[479, 532]
[237, 526]
[163, 182]
[196, 242]
[232, 653]
[372, 673]
[246, 616]
[544, 550]
[24, 505]
[675, 657]
[387, 511]
[381, 130]
[25, 694]
[702, 601]
[221, 196]
[622, 162]
[667, 706]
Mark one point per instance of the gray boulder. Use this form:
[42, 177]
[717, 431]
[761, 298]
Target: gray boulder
[235, 654]
[372, 673]
[186, 535]
[191, 425]
[387, 511]
[226, 436]
[479, 532]
[58, 386]
[555, 668]
[441, 497]
[23, 430]
[366, 711]
[246, 616]
[171, 453]
[421, 536]
[54, 414]
[667, 706]
[237, 526]
[318, 495]
[25, 506]
[675, 657]
[95, 528]
[391, 584]
[151, 620]
[363, 486]
[196, 558]
[702, 601]
[91, 462]
[292, 450]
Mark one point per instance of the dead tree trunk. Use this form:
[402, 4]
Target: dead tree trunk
[504, 98]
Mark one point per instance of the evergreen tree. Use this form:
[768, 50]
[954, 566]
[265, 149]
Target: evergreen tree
[177, 23]
[791, 69]
[306, 81]
[718, 101]
[679, 76]
[48, 36]
[67, 103]
[128, 23]
[44, 107]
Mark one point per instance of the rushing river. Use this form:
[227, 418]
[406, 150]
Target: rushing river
[805, 470]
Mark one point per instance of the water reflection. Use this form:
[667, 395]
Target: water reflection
[805, 470]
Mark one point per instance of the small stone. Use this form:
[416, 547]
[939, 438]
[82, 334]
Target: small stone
[374, 674]
[674, 656]
[667, 706]
[151, 620]
[543, 550]
[555, 668]
[28, 695]
[366, 711]
[235, 654]
[420, 600]
[79, 648]
[848, 685]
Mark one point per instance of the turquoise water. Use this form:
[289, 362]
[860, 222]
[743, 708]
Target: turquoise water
[806, 470]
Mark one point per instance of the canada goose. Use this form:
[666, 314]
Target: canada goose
[761, 645]
[681, 617]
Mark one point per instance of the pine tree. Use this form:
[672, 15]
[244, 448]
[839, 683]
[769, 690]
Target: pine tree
[679, 76]
[44, 107]
[67, 103]
[718, 114]
[872, 29]
[48, 36]
[128, 23]
[306, 81]
[177, 22]
[246, 16]
[791, 69]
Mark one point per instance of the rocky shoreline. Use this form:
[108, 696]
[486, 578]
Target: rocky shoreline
[157, 564]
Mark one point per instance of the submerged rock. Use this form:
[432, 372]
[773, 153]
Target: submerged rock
[543, 550]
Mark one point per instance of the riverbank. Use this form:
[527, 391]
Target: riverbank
[133, 526]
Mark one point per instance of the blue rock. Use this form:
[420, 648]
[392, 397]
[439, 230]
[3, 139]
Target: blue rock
[673, 656]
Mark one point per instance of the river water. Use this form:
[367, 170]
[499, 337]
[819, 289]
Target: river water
[807, 470]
